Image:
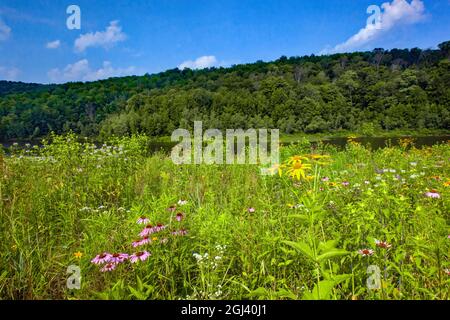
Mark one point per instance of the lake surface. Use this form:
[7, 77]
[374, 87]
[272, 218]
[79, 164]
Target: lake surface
[341, 142]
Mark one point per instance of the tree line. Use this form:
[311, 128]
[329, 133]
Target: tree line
[360, 91]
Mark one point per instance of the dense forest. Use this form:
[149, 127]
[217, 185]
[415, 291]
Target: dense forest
[361, 91]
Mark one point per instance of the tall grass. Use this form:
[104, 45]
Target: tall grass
[301, 241]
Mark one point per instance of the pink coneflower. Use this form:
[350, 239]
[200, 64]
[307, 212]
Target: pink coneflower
[159, 227]
[181, 232]
[118, 258]
[325, 179]
[345, 183]
[147, 230]
[433, 194]
[382, 244]
[182, 202]
[101, 258]
[447, 271]
[251, 210]
[143, 220]
[179, 216]
[143, 255]
[141, 242]
[448, 237]
[172, 208]
[366, 252]
[108, 267]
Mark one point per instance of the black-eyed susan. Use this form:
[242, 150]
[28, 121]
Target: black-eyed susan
[298, 170]
[296, 159]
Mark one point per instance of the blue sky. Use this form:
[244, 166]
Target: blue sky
[134, 37]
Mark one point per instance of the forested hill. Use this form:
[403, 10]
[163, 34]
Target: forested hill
[395, 89]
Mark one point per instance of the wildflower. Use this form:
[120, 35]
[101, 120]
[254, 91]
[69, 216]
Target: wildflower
[182, 202]
[101, 258]
[118, 258]
[366, 252]
[296, 159]
[251, 210]
[141, 242]
[142, 255]
[181, 232]
[332, 184]
[345, 183]
[447, 271]
[325, 179]
[164, 241]
[143, 220]
[447, 183]
[179, 216]
[433, 194]
[298, 170]
[382, 244]
[172, 208]
[78, 255]
[147, 230]
[159, 227]
[109, 267]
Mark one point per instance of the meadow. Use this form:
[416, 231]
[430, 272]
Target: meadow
[343, 224]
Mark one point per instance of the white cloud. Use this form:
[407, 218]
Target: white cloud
[5, 31]
[53, 44]
[10, 74]
[105, 39]
[199, 63]
[396, 13]
[81, 71]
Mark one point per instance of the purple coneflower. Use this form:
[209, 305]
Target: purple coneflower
[251, 210]
[141, 242]
[118, 258]
[325, 179]
[159, 227]
[382, 244]
[447, 271]
[366, 252]
[433, 194]
[143, 220]
[142, 255]
[345, 183]
[101, 258]
[179, 216]
[172, 208]
[181, 232]
[147, 230]
[108, 267]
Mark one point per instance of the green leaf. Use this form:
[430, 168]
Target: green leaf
[331, 254]
[302, 247]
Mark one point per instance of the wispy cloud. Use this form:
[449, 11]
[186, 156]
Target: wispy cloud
[9, 73]
[5, 30]
[16, 15]
[199, 63]
[396, 13]
[81, 71]
[105, 39]
[53, 44]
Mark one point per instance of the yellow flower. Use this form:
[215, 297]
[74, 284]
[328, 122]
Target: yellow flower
[154, 238]
[78, 255]
[332, 184]
[296, 159]
[298, 170]
[447, 183]
[309, 178]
